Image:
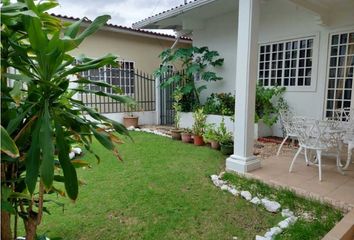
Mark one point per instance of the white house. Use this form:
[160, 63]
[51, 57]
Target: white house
[305, 45]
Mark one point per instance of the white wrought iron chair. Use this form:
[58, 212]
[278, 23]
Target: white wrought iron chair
[320, 136]
[287, 118]
[346, 118]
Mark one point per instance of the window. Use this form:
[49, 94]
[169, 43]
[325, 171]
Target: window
[340, 85]
[286, 63]
[121, 76]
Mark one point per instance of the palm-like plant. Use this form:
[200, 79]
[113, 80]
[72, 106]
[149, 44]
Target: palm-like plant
[40, 115]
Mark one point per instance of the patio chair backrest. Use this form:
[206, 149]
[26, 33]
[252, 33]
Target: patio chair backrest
[316, 134]
[287, 120]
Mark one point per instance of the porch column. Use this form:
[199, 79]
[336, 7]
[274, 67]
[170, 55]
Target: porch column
[246, 76]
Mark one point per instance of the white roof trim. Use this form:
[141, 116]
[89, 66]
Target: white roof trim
[171, 13]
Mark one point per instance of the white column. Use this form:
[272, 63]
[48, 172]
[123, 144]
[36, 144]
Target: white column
[246, 76]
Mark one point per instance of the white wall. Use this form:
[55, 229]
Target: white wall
[220, 34]
[145, 118]
[283, 20]
[280, 20]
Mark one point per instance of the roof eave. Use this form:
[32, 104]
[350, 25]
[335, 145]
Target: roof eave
[150, 22]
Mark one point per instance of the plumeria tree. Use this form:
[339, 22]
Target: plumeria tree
[40, 115]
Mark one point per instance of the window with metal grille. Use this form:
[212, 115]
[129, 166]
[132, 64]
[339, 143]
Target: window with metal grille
[286, 63]
[121, 76]
[340, 85]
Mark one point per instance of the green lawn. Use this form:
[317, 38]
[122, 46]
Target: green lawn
[162, 190]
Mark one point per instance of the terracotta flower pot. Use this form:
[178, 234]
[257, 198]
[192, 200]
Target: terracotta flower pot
[214, 145]
[186, 137]
[198, 140]
[176, 134]
[129, 121]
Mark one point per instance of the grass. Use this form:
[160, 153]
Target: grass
[162, 190]
[321, 217]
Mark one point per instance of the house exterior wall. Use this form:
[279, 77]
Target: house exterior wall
[143, 51]
[220, 34]
[279, 20]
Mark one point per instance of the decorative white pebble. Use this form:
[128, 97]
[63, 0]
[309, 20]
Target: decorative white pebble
[256, 200]
[233, 191]
[272, 232]
[71, 155]
[246, 195]
[131, 128]
[271, 206]
[287, 213]
[224, 187]
[261, 238]
[77, 150]
[214, 177]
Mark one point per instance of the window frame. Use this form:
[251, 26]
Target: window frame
[108, 79]
[315, 58]
[328, 67]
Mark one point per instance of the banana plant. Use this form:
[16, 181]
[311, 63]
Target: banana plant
[40, 115]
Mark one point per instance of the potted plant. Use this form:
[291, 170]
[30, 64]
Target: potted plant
[225, 139]
[211, 136]
[177, 97]
[198, 126]
[130, 119]
[186, 135]
[268, 103]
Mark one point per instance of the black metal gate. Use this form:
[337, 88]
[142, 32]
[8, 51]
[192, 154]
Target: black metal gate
[167, 113]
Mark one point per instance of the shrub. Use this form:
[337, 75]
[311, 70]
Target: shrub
[199, 122]
[268, 103]
[220, 104]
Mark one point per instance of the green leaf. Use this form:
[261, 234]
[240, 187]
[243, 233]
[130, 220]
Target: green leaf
[42, 7]
[8, 146]
[70, 176]
[36, 35]
[73, 29]
[32, 160]
[104, 139]
[46, 144]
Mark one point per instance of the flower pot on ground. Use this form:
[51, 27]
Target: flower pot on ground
[227, 148]
[131, 120]
[225, 139]
[198, 126]
[176, 134]
[211, 136]
[198, 140]
[214, 144]
[186, 137]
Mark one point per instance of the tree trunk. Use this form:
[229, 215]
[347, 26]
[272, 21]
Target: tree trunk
[5, 226]
[31, 226]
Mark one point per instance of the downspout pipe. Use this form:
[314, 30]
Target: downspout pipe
[179, 34]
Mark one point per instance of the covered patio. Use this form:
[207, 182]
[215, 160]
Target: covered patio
[335, 188]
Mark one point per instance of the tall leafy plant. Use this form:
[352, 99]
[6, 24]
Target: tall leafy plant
[268, 103]
[177, 97]
[40, 115]
[196, 63]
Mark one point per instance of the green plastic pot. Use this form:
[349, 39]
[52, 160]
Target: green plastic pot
[227, 149]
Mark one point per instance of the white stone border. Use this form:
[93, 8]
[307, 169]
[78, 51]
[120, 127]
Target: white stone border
[269, 205]
[147, 130]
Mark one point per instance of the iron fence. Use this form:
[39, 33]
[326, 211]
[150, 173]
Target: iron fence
[134, 83]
